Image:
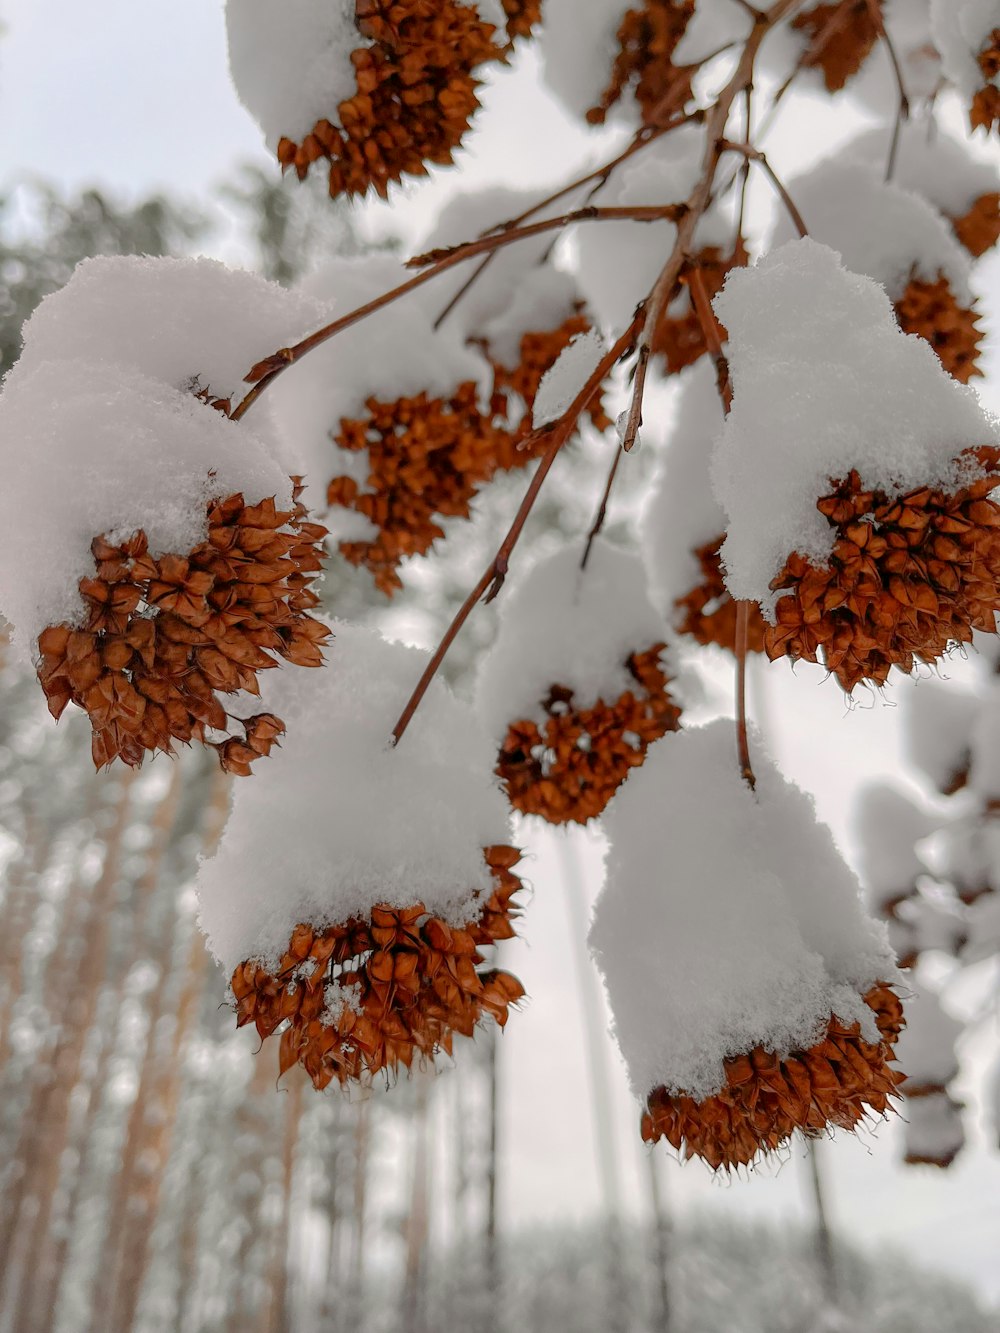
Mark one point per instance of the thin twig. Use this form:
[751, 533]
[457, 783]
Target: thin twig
[695, 280]
[742, 738]
[267, 371]
[755, 155]
[602, 509]
[903, 103]
[493, 576]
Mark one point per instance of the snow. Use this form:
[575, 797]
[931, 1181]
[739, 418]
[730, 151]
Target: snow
[563, 381]
[937, 727]
[341, 821]
[682, 513]
[888, 824]
[824, 381]
[333, 382]
[89, 448]
[879, 229]
[727, 920]
[546, 300]
[291, 63]
[961, 29]
[714, 24]
[933, 1127]
[620, 261]
[177, 320]
[967, 855]
[983, 929]
[561, 625]
[579, 43]
[908, 23]
[930, 163]
[925, 1051]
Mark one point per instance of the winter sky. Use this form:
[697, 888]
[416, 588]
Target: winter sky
[135, 96]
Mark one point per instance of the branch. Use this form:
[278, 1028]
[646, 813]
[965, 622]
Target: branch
[755, 155]
[710, 328]
[493, 576]
[267, 371]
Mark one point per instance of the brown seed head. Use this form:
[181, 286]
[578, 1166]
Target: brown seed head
[412, 980]
[931, 310]
[979, 229]
[985, 109]
[909, 577]
[841, 37]
[567, 767]
[768, 1096]
[165, 636]
[647, 38]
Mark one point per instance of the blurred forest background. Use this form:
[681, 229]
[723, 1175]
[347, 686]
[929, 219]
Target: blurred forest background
[153, 1175]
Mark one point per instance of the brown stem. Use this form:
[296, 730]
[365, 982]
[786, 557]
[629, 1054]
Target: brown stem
[493, 576]
[267, 371]
[742, 739]
[755, 155]
[602, 509]
[713, 335]
[903, 103]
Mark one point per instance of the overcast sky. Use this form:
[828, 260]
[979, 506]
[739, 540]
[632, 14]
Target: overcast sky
[134, 95]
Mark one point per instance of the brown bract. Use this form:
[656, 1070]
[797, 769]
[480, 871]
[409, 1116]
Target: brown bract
[427, 457]
[538, 353]
[909, 577]
[416, 94]
[985, 110]
[708, 611]
[412, 983]
[979, 229]
[647, 37]
[522, 16]
[567, 767]
[932, 311]
[679, 336]
[768, 1097]
[164, 637]
[841, 38]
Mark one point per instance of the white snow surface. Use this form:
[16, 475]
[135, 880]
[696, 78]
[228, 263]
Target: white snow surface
[961, 29]
[727, 919]
[339, 821]
[564, 380]
[879, 229]
[539, 304]
[713, 25]
[578, 43]
[682, 513]
[176, 320]
[908, 23]
[937, 728]
[933, 165]
[925, 1051]
[933, 1127]
[90, 448]
[561, 625]
[620, 261]
[888, 825]
[824, 381]
[395, 353]
[291, 62]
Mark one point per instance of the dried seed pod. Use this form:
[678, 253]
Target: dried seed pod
[979, 228]
[386, 87]
[567, 767]
[841, 36]
[768, 1096]
[750, 992]
[909, 577]
[573, 705]
[647, 37]
[932, 312]
[371, 995]
[522, 17]
[165, 636]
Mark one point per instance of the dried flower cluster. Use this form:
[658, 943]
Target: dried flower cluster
[768, 1096]
[368, 996]
[708, 611]
[567, 767]
[978, 229]
[909, 577]
[165, 636]
[522, 17]
[416, 95]
[932, 311]
[841, 36]
[985, 109]
[647, 38]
